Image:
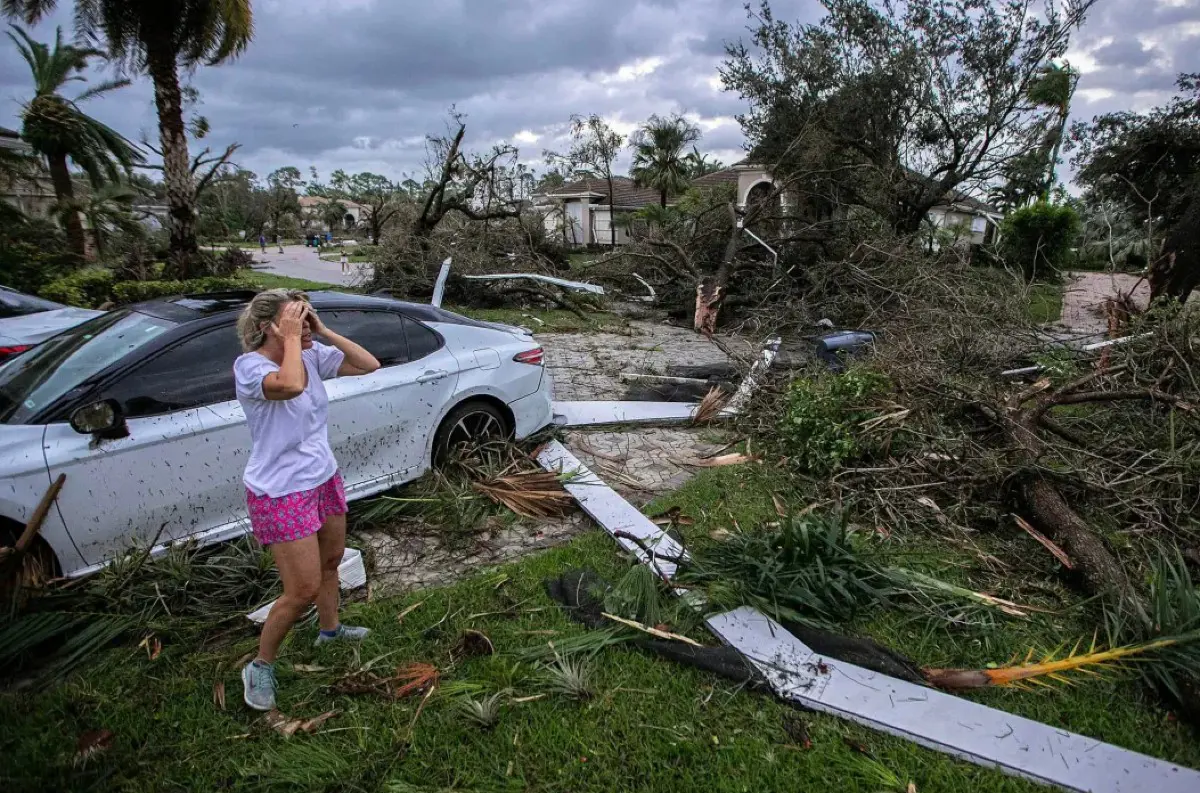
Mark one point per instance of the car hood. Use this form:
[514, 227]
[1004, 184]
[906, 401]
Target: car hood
[36, 328]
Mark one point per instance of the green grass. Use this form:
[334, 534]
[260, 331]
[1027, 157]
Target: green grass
[653, 726]
[552, 321]
[1045, 303]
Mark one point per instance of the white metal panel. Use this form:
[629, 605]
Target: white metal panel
[607, 508]
[941, 721]
[582, 414]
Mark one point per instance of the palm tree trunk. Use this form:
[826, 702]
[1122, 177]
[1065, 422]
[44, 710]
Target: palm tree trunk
[662, 199]
[64, 191]
[177, 172]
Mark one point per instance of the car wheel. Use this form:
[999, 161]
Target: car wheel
[467, 427]
[39, 565]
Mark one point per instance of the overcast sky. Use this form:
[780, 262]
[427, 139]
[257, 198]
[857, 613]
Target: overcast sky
[358, 84]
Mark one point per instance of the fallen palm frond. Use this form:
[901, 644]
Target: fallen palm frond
[710, 406]
[416, 678]
[928, 585]
[1045, 542]
[583, 644]
[655, 632]
[723, 460]
[1054, 667]
[530, 494]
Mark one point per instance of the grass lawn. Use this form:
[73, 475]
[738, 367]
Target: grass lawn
[651, 725]
[1045, 302]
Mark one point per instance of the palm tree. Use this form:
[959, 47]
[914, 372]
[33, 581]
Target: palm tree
[1054, 88]
[58, 130]
[659, 162]
[109, 208]
[158, 37]
[701, 165]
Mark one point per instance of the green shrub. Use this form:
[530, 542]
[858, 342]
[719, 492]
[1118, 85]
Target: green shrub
[819, 429]
[136, 291]
[90, 287]
[33, 252]
[1038, 239]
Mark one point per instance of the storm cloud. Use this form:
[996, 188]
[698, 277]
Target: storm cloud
[358, 84]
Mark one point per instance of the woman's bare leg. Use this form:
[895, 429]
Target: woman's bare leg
[299, 564]
[332, 541]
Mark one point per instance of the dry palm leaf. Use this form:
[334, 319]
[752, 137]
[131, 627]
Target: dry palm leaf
[652, 631]
[92, 743]
[288, 727]
[219, 694]
[533, 494]
[416, 678]
[1051, 666]
[710, 406]
[725, 459]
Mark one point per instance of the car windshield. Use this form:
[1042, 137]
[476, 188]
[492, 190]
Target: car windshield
[32, 381]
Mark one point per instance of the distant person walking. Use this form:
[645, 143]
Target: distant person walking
[345, 263]
[279, 243]
[294, 491]
[262, 242]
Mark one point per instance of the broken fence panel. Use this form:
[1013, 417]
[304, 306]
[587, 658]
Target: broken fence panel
[941, 721]
[576, 286]
[605, 506]
[583, 414]
[738, 401]
[439, 288]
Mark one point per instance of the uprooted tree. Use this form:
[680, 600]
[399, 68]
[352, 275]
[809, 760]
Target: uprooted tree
[892, 106]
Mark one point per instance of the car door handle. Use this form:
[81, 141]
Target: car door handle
[430, 377]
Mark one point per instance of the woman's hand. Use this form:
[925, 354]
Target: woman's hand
[315, 323]
[290, 322]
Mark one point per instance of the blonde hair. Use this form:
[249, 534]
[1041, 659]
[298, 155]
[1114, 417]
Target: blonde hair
[261, 312]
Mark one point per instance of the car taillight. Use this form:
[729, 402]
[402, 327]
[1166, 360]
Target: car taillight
[535, 357]
[15, 349]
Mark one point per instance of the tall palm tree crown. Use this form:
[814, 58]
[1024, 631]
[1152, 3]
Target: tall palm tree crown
[59, 130]
[159, 37]
[659, 161]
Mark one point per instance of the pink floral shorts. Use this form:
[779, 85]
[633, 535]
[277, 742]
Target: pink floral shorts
[296, 515]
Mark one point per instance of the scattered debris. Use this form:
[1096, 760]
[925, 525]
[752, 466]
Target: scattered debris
[287, 727]
[471, 644]
[675, 637]
[409, 610]
[739, 400]
[152, 646]
[1059, 553]
[797, 730]
[650, 298]
[219, 694]
[710, 407]
[530, 494]
[11, 557]
[722, 460]
[308, 669]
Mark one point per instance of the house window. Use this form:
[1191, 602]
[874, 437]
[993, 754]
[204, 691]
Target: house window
[979, 225]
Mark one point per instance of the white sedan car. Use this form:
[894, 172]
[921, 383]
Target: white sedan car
[137, 408]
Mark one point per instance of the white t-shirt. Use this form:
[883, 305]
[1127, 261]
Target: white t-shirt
[290, 437]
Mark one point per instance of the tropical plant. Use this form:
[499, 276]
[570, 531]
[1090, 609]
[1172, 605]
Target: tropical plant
[701, 164]
[570, 676]
[1038, 239]
[482, 713]
[159, 38]
[59, 130]
[659, 161]
[108, 209]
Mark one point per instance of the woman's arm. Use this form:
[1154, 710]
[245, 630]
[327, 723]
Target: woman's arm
[357, 360]
[289, 381]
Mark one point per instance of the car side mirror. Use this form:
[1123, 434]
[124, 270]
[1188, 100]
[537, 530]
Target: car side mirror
[102, 419]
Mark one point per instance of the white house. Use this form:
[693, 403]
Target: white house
[580, 213]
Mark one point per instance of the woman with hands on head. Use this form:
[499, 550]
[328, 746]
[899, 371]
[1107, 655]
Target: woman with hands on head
[296, 499]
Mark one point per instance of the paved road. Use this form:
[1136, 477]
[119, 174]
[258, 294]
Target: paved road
[298, 261]
[1083, 299]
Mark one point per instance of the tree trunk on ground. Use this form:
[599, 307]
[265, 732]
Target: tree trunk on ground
[177, 172]
[64, 190]
[1176, 272]
[711, 291]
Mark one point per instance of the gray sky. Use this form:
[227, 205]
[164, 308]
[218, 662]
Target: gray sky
[358, 84]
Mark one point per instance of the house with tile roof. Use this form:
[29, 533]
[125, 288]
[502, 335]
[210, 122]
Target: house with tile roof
[581, 212]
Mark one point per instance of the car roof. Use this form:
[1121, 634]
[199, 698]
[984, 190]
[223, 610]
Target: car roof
[192, 307]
